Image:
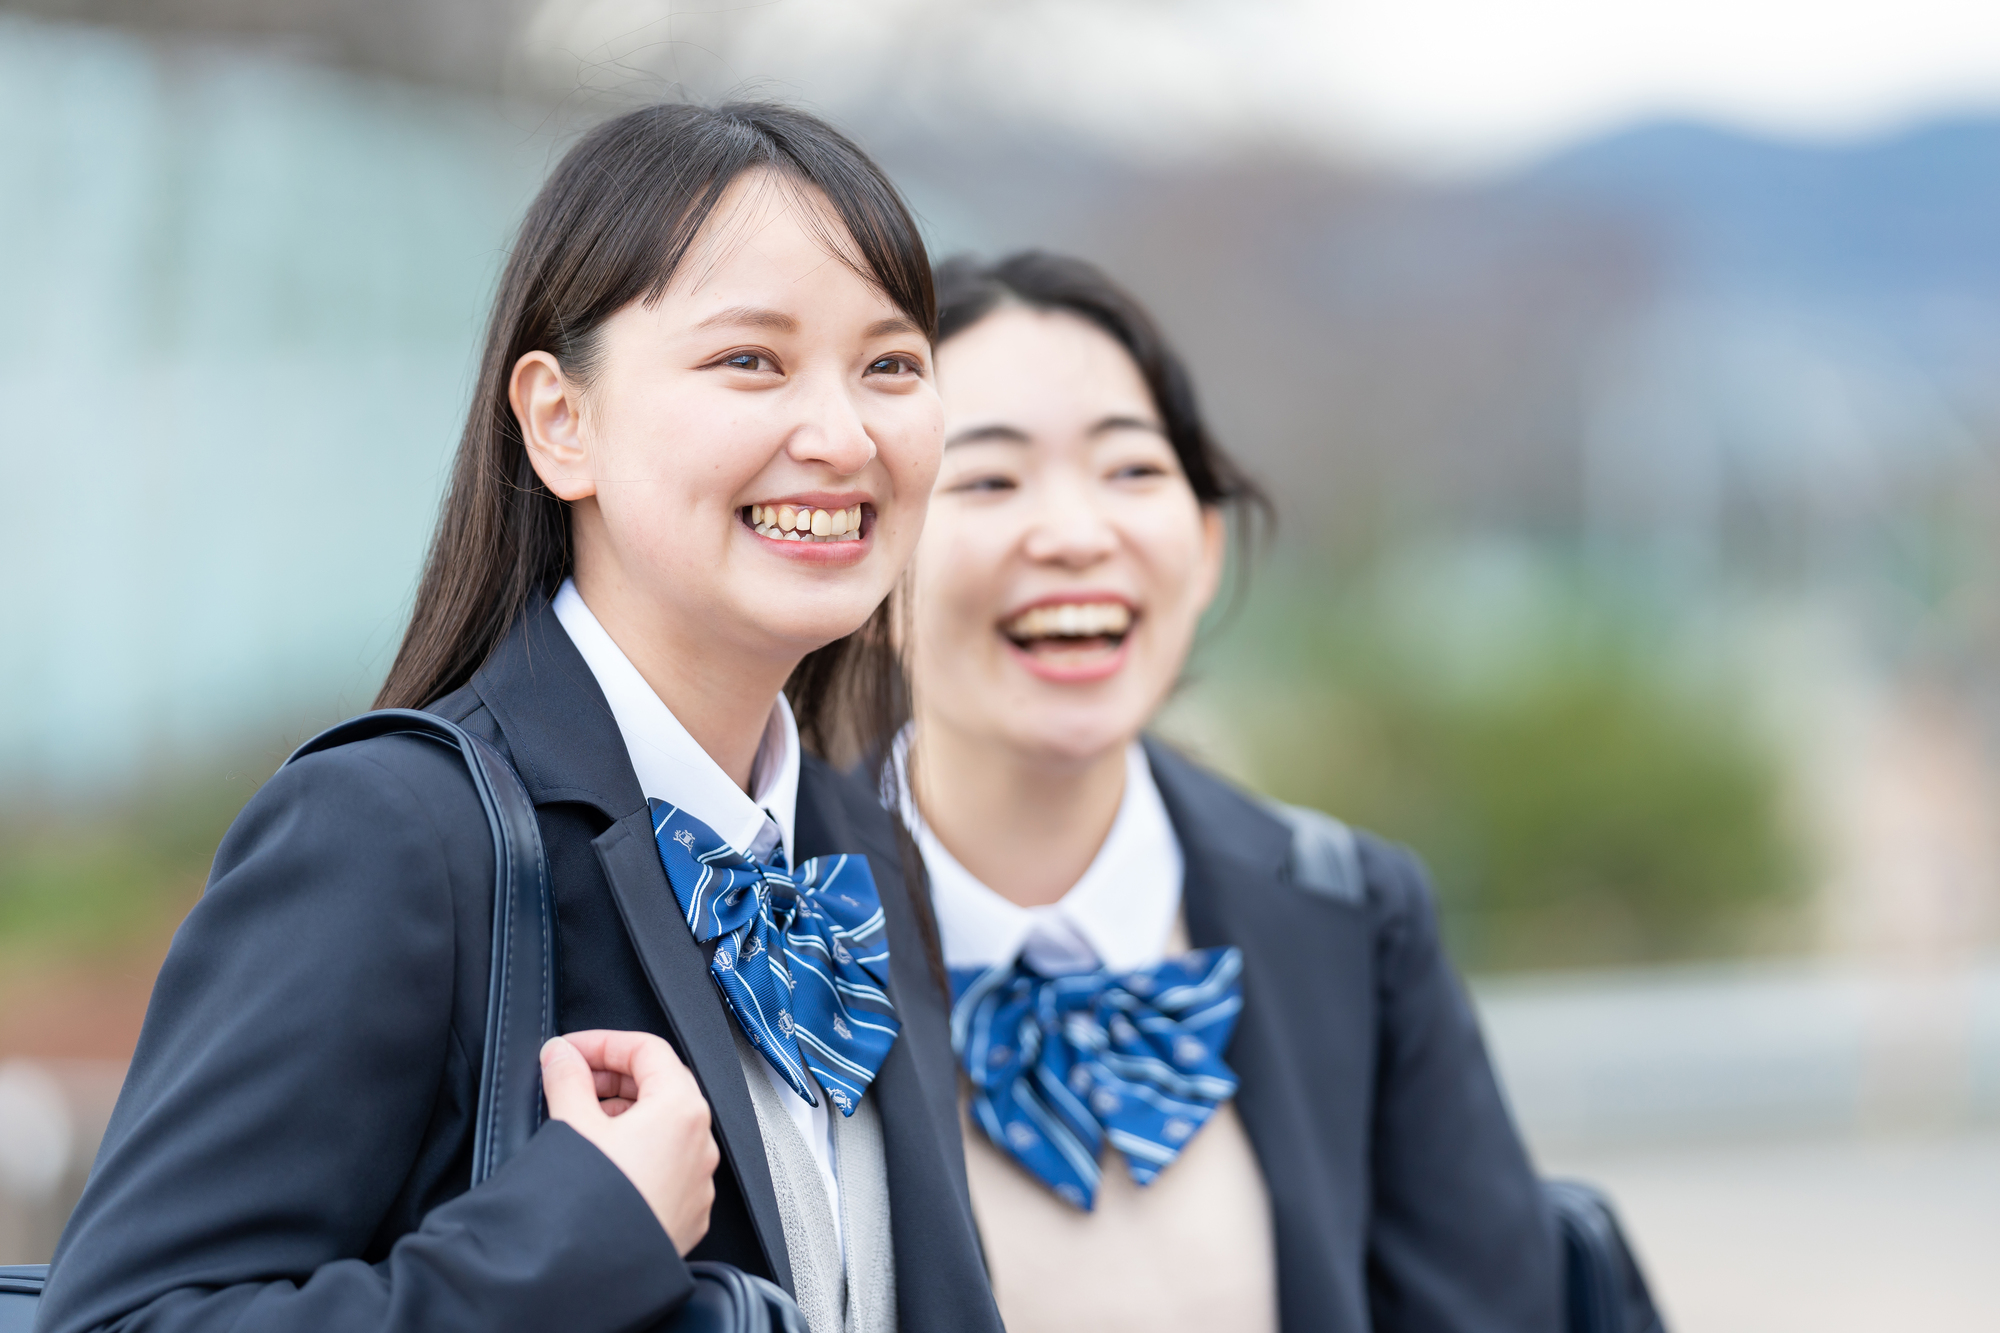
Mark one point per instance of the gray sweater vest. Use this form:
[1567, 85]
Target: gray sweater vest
[856, 1294]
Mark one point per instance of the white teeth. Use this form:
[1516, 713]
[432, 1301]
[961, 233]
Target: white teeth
[1071, 620]
[802, 523]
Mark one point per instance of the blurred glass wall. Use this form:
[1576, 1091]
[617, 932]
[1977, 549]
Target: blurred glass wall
[243, 294]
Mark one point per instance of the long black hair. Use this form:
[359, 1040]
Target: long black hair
[609, 227]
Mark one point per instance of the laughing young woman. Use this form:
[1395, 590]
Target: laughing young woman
[1220, 1072]
[701, 445]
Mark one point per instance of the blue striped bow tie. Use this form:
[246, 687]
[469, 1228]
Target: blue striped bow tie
[801, 956]
[1061, 1064]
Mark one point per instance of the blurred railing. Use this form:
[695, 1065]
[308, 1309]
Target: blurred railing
[52, 1114]
[1746, 1050]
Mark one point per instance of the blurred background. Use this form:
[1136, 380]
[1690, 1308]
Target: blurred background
[1628, 376]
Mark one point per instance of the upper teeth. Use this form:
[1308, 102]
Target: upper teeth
[1082, 620]
[795, 523]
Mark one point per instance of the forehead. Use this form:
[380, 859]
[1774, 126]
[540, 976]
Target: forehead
[1048, 371]
[774, 239]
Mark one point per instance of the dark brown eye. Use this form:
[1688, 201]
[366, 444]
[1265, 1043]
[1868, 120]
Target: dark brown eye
[745, 361]
[889, 365]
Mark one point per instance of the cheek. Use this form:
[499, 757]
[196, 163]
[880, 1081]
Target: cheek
[688, 444]
[1173, 551]
[911, 443]
[958, 569]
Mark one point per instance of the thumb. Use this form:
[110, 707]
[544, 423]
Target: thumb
[567, 1084]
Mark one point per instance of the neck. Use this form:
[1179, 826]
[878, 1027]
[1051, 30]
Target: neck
[713, 687]
[1026, 825]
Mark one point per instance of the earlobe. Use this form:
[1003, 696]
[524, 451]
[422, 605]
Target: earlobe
[548, 407]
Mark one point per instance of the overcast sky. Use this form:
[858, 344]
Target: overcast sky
[1429, 85]
[1471, 80]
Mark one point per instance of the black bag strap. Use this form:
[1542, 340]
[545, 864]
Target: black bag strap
[1324, 859]
[520, 1016]
[520, 996]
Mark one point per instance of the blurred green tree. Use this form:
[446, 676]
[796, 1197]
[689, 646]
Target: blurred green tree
[1578, 799]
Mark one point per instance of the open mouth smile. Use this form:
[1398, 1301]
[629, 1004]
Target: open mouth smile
[1071, 641]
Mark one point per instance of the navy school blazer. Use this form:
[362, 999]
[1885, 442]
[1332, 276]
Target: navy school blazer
[292, 1146]
[1401, 1196]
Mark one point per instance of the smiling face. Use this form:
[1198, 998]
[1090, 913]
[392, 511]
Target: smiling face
[750, 457]
[1066, 562]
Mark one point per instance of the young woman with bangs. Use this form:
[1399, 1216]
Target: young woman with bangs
[698, 457]
[1218, 1071]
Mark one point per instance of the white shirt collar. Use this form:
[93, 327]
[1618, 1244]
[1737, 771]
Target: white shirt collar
[1120, 915]
[670, 765]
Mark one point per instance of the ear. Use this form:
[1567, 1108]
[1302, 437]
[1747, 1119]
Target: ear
[550, 409]
[1214, 550]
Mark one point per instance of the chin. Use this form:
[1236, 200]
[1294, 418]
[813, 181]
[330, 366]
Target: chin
[1075, 735]
[811, 620]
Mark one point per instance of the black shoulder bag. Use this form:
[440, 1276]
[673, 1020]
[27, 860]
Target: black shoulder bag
[520, 1016]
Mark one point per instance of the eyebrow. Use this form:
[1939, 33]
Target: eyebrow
[752, 315]
[997, 433]
[993, 434]
[760, 317]
[1111, 423]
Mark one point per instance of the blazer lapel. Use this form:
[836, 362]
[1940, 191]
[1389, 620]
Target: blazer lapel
[678, 968]
[941, 1277]
[1304, 1047]
[565, 744]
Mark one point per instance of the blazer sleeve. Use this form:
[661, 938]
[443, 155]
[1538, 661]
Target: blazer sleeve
[290, 1063]
[1459, 1237]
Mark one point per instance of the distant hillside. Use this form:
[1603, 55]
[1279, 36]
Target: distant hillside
[1913, 216]
[1785, 318]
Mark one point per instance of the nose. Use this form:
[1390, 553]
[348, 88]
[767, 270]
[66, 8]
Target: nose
[831, 432]
[1070, 530]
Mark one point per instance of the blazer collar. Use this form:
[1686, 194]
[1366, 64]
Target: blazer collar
[564, 741]
[1306, 1038]
[1224, 833]
[565, 744]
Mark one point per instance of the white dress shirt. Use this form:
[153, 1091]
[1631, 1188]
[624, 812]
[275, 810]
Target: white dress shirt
[1120, 915]
[1191, 1252]
[672, 767]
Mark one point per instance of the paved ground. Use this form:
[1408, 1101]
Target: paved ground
[1821, 1235]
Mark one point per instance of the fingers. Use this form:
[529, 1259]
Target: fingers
[611, 1085]
[567, 1083]
[646, 1058]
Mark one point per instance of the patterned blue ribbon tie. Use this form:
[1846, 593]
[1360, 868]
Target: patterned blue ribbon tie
[1062, 1065]
[802, 957]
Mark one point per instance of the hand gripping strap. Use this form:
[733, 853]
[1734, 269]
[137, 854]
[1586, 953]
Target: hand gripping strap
[520, 996]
